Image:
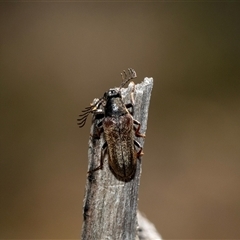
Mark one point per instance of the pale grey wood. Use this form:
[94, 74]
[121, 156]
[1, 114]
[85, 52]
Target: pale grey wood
[110, 205]
[146, 230]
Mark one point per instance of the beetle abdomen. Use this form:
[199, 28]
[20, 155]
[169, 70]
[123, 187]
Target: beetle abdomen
[119, 136]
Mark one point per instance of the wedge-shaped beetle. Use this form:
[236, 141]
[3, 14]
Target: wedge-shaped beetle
[119, 127]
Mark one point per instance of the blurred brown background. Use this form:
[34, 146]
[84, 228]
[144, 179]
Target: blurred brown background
[57, 57]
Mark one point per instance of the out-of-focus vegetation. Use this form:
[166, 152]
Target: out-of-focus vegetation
[56, 57]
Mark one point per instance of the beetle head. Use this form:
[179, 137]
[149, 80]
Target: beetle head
[112, 93]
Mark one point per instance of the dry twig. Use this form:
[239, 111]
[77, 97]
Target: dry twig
[110, 204]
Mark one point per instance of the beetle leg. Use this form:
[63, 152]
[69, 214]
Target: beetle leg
[137, 133]
[140, 152]
[98, 129]
[130, 105]
[104, 147]
[99, 113]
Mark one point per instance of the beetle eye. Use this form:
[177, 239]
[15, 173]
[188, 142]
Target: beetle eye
[111, 92]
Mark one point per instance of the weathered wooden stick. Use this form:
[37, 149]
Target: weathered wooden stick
[110, 204]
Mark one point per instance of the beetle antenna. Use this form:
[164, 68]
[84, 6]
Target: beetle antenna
[83, 117]
[127, 77]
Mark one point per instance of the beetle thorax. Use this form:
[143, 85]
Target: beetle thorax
[115, 107]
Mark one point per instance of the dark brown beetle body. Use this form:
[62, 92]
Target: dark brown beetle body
[119, 135]
[119, 129]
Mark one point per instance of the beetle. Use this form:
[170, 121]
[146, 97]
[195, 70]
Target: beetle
[119, 128]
